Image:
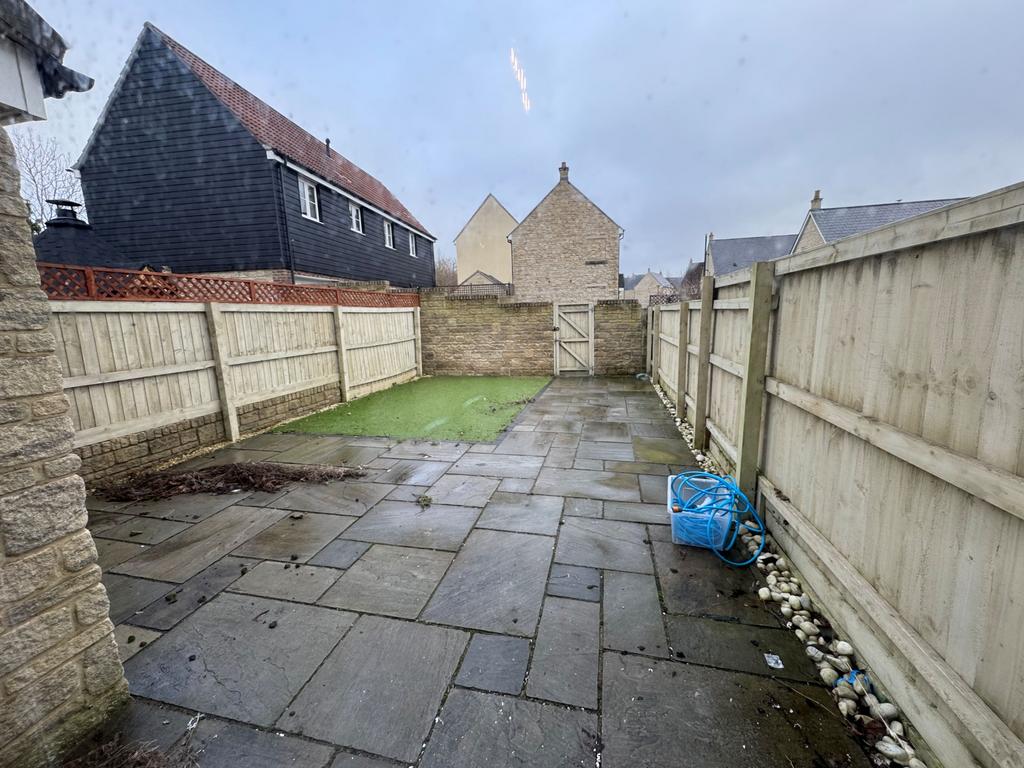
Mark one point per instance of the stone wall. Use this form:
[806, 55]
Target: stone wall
[59, 665]
[618, 338]
[267, 413]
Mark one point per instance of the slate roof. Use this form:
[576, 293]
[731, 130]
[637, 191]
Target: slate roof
[20, 23]
[734, 253]
[64, 242]
[837, 223]
[629, 282]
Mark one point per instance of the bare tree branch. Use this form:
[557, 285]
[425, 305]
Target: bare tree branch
[444, 270]
[44, 175]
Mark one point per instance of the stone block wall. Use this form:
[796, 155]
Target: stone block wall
[60, 674]
[267, 413]
[618, 338]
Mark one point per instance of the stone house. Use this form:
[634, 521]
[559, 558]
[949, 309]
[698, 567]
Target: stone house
[482, 250]
[566, 249]
[642, 287]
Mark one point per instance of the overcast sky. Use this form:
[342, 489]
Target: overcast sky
[676, 119]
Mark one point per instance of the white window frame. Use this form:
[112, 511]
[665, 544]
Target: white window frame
[308, 212]
[355, 215]
[389, 235]
[412, 244]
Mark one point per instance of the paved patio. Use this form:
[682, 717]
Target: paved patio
[535, 614]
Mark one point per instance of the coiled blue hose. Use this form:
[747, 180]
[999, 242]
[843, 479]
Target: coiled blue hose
[710, 511]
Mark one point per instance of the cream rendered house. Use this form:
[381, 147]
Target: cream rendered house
[482, 250]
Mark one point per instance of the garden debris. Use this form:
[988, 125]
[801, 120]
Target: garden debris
[115, 754]
[223, 478]
[424, 501]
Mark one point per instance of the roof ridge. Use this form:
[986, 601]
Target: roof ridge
[895, 202]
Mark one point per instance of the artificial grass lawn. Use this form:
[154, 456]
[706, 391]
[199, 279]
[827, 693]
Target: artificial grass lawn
[474, 408]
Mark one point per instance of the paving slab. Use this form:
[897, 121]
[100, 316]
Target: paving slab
[522, 513]
[609, 544]
[223, 744]
[583, 507]
[349, 760]
[516, 485]
[634, 512]
[562, 458]
[588, 464]
[144, 722]
[562, 424]
[204, 586]
[653, 489]
[695, 582]
[641, 468]
[663, 450]
[340, 553]
[131, 640]
[412, 472]
[394, 581]
[273, 441]
[588, 484]
[605, 451]
[296, 537]
[233, 456]
[226, 635]
[575, 582]
[495, 663]
[632, 614]
[183, 556]
[112, 553]
[348, 497]
[285, 581]
[481, 448]
[479, 729]
[660, 428]
[429, 450]
[494, 465]
[464, 490]
[128, 595]
[380, 688]
[100, 521]
[187, 507]
[657, 712]
[398, 522]
[565, 659]
[496, 583]
[606, 432]
[407, 492]
[526, 443]
[328, 450]
[96, 504]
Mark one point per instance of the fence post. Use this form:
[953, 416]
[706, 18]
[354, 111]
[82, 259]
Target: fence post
[749, 444]
[90, 283]
[650, 340]
[700, 398]
[222, 369]
[419, 341]
[656, 348]
[682, 359]
[339, 336]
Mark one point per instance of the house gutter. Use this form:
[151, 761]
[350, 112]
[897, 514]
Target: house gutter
[282, 222]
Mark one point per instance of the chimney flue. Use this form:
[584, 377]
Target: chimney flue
[563, 171]
[816, 200]
[328, 143]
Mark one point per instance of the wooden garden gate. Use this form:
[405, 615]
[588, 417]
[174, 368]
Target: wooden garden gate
[574, 339]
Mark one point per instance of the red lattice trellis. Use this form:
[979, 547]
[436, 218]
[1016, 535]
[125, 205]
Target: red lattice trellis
[62, 281]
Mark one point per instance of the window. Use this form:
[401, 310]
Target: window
[389, 234]
[308, 200]
[355, 213]
[412, 244]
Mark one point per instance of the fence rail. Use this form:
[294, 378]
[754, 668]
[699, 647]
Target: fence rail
[869, 395]
[69, 282]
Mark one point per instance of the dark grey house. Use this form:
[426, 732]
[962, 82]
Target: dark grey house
[730, 254]
[187, 169]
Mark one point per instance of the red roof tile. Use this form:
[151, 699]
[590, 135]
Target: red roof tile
[274, 130]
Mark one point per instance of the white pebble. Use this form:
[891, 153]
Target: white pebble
[843, 648]
[915, 763]
[892, 750]
[810, 629]
[781, 563]
[886, 711]
[805, 602]
[794, 602]
[764, 593]
[896, 727]
[801, 636]
[815, 653]
[848, 708]
[787, 611]
[829, 676]
[844, 691]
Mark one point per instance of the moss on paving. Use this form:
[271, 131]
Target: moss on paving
[475, 408]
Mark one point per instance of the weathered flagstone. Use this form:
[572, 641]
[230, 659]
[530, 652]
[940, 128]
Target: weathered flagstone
[496, 583]
[201, 588]
[607, 544]
[407, 492]
[226, 636]
[605, 451]
[606, 432]
[272, 441]
[495, 663]
[412, 472]
[183, 556]
[402, 523]
[100, 520]
[348, 497]
[526, 443]
[657, 713]
[495, 465]
[220, 744]
[632, 614]
[144, 722]
[188, 507]
[589, 484]
[663, 450]
[639, 468]
[349, 760]
[232, 456]
[584, 507]
[653, 489]
[428, 450]
[522, 513]
[131, 640]
[128, 595]
[96, 504]
[478, 729]
[565, 659]
[394, 581]
[515, 485]
[559, 423]
[380, 688]
[329, 450]
[660, 428]
[575, 582]
[464, 490]
[284, 581]
[340, 553]
[635, 513]
[295, 537]
[113, 553]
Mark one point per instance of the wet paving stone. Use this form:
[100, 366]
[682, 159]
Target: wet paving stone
[606, 544]
[606, 432]
[273, 441]
[565, 659]
[96, 504]
[479, 729]
[663, 450]
[427, 450]
[232, 456]
[496, 583]
[635, 513]
[99, 521]
[349, 760]
[295, 538]
[494, 465]
[407, 492]
[522, 513]
[583, 507]
[590, 484]
[380, 688]
[464, 490]
[223, 744]
[575, 582]
[183, 556]
[397, 522]
[187, 508]
[128, 595]
[656, 711]
[605, 451]
[559, 424]
[340, 553]
[131, 640]
[632, 614]
[639, 468]
[348, 497]
[495, 663]
[515, 485]
[225, 636]
[411, 472]
[188, 597]
[394, 581]
[330, 450]
[525, 443]
[113, 553]
[654, 489]
[660, 428]
[284, 581]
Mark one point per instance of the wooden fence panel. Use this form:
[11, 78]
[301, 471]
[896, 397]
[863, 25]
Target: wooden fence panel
[380, 348]
[668, 353]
